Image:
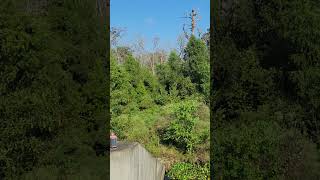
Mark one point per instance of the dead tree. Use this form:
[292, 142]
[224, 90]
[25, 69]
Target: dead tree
[116, 34]
[194, 17]
[155, 46]
[181, 44]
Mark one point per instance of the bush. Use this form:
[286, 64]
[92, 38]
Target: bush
[181, 130]
[186, 171]
[261, 149]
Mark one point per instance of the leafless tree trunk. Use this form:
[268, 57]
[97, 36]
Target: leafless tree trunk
[181, 44]
[139, 49]
[162, 56]
[194, 17]
[155, 46]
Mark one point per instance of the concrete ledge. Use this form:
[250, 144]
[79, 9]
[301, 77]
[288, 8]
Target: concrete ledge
[131, 161]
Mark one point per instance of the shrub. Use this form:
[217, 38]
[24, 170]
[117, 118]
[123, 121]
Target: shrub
[186, 171]
[181, 130]
[261, 149]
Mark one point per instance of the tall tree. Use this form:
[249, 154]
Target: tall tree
[197, 64]
[52, 89]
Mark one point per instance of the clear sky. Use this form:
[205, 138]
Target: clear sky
[161, 18]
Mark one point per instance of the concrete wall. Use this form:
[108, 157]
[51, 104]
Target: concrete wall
[134, 162]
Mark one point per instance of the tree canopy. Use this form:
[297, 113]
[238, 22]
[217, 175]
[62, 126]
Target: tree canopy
[53, 90]
[264, 106]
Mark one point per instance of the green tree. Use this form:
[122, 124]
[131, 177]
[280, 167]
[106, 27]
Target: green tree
[171, 77]
[52, 87]
[273, 66]
[197, 65]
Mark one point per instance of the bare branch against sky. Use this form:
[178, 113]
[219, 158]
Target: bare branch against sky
[158, 18]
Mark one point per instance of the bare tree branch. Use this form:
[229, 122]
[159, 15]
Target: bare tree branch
[116, 34]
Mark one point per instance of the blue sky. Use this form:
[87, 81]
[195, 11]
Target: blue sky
[161, 18]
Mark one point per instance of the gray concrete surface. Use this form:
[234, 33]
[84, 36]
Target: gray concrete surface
[131, 161]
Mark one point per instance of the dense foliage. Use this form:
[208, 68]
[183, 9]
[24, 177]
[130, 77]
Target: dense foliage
[165, 111]
[52, 90]
[189, 171]
[265, 86]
